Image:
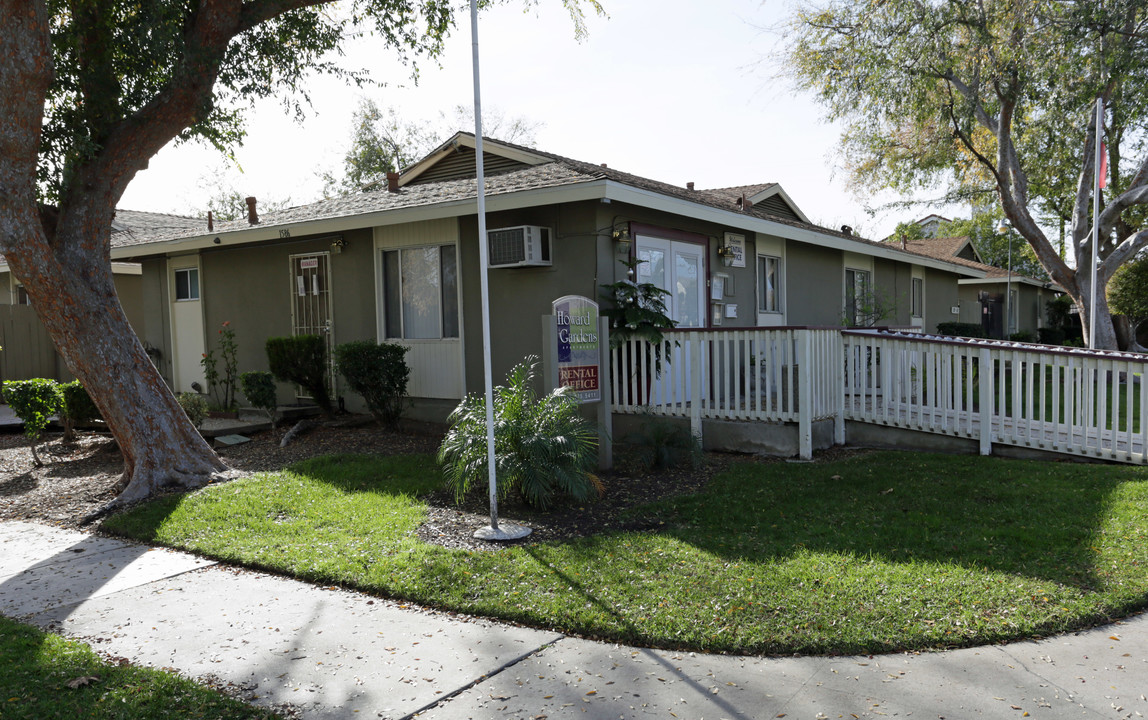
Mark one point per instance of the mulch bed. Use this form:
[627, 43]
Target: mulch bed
[80, 477]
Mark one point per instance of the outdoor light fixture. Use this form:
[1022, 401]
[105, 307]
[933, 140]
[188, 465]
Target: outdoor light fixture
[726, 253]
[337, 245]
[623, 241]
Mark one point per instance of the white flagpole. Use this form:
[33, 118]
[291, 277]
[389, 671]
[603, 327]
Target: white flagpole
[492, 532]
[1095, 223]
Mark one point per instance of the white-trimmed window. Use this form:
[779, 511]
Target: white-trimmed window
[186, 284]
[859, 310]
[420, 293]
[768, 284]
[918, 297]
[22, 296]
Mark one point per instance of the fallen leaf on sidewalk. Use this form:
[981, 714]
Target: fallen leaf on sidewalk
[82, 681]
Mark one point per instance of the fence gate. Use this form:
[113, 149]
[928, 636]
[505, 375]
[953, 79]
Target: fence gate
[311, 312]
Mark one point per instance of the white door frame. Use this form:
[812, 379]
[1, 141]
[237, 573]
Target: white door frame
[188, 342]
[672, 249]
[770, 247]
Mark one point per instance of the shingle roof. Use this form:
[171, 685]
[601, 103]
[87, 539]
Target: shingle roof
[135, 222]
[554, 171]
[946, 248]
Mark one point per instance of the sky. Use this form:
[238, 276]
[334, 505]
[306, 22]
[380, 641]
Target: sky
[677, 91]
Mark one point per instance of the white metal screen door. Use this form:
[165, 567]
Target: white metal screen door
[311, 303]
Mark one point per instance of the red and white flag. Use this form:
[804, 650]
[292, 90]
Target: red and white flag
[1102, 172]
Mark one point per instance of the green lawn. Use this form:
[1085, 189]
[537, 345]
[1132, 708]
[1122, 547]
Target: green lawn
[45, 676]
[883, 551]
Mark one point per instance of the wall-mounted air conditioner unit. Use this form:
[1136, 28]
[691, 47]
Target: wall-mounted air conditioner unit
[521, 246]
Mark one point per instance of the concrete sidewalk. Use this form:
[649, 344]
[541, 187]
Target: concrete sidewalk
[338, 654]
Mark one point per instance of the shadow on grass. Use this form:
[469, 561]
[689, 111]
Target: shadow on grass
[1031, 518]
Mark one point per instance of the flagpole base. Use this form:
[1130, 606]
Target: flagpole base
[505, 531]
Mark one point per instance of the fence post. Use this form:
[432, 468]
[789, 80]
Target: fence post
[804, 396]
[985, 378]
[696, 370]
[836, 359]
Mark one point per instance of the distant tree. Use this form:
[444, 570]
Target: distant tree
[383, 142]
[908, 232]
[993, 95]
[226, 202]
[1128, 293]
[993, 246]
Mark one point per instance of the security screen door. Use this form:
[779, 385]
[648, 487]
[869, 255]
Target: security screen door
[311, 304]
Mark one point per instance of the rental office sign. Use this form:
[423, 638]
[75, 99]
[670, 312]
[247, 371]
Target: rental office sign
[579, 346]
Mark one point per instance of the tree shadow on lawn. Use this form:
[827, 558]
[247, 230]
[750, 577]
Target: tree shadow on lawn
[1032, 518]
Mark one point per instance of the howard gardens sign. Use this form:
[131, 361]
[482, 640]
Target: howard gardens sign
[579, 347]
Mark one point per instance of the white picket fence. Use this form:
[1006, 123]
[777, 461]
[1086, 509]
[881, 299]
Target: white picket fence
[774, 375]
[1078, 402]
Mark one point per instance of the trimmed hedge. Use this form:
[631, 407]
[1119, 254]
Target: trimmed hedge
[259, 389]
[961, 329]
[195, 406]
[302, 360]
[378, 372]
[76, 407]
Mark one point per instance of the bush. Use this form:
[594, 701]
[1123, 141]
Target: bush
[76, 407]
[195, 405]
[378, 372]
[259, 389]
[542, 447]
[664, 444]
[961, 329]
[1051, 335]
[302, 360]
[1059, 312]
[34, 402]
[1024, 336]
[222, 386]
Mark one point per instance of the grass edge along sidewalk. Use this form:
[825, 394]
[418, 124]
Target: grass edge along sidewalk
[885, 551]
[46, 676]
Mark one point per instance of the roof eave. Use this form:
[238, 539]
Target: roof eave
[647, 198]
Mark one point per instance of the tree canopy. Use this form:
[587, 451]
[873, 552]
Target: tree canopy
[992, 98]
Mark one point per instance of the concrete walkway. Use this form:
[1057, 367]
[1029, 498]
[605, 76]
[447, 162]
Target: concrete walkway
[338, 654]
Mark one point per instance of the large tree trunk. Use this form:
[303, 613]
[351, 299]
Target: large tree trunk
[63, 257]
[82, 313]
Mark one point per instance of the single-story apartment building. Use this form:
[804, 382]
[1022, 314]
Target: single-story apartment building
[981, 300]
[401, 263]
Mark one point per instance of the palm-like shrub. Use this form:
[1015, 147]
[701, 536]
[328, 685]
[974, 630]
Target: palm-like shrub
[543, 446]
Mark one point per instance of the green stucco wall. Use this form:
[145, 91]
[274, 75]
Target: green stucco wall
[814, 284]
[940, 296]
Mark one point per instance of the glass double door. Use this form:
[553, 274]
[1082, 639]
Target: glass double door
[679, 269]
